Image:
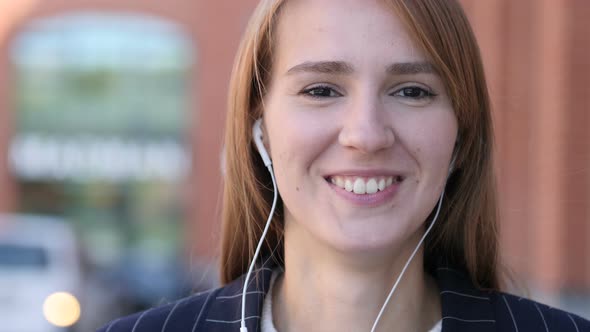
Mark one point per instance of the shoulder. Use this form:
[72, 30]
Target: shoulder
[515, 313]
[468, 308]
[213, 310]
[180, 315]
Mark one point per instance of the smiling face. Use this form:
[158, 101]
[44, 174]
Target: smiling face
[358, 124]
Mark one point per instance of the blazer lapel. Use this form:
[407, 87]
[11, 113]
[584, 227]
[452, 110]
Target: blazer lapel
[225, 311]
[464, 307]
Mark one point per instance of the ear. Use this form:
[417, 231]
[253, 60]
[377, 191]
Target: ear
[263, 131]
[258, 113]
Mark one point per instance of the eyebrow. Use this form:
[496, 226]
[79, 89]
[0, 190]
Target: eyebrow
[408, 68]
[341, 67]
[322, 67]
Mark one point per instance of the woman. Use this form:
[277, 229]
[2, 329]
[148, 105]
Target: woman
[376, 119]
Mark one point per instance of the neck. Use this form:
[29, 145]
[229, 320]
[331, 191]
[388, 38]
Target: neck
[336, 291]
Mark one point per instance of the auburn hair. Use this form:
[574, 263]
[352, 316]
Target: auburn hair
[466, 237]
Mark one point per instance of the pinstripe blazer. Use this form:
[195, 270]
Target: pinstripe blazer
[464, 308]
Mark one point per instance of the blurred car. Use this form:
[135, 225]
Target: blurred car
[40, 275]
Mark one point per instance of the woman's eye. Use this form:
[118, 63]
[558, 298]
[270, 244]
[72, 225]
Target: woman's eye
[321, 92]
[414, 92]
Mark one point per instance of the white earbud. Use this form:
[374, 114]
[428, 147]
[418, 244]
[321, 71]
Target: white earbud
[257, 134]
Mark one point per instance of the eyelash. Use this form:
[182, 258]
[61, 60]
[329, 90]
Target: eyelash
[308, 92]
[423, 92]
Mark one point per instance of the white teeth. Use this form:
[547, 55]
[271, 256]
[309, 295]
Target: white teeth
[360, 185]
[371, 186]
[348, 185]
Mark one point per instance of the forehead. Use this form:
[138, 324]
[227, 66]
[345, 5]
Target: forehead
[362, 32]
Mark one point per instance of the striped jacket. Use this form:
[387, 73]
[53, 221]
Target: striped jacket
[464, 308]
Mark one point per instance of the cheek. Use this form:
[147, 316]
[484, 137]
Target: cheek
[283, 146]
[430, 141]
[295, 148]
[296, 137]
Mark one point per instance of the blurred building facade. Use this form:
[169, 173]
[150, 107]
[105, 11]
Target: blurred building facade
[537, 58]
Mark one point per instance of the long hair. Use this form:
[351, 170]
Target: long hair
[466, 236]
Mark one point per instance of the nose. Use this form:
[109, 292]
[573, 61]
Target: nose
[366, 128]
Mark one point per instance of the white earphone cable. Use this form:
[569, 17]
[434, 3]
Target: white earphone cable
[243, 327]
[408, 263]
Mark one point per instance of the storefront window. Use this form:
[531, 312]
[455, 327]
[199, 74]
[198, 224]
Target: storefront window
[101, 136]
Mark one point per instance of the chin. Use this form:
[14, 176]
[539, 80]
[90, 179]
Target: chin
[354, 236]
[367, 243]
[378, 237]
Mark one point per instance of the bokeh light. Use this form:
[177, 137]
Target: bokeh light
[61, 309]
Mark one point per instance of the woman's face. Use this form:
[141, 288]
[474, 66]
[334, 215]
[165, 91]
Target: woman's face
[358, 124]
